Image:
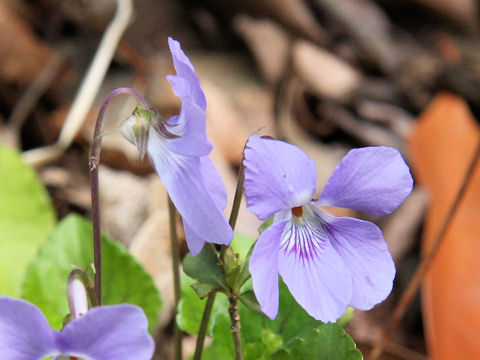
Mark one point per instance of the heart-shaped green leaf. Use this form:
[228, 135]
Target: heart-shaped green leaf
[70, 246]
[26, 218]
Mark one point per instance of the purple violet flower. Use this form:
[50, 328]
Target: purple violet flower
[327, 262]
[183, 165]
[107, 332]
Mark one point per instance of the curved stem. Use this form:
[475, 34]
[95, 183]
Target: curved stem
[211, 298]
[177, 334]
[95, 149]
[412, 288]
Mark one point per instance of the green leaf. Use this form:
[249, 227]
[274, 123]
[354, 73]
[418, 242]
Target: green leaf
[291, 318]
[261, 336]
[326, 341]
[271, 340]
[203, 290]
[26, 218]
[241, 245]
[190, 308]
[70, 246]
[205, 267]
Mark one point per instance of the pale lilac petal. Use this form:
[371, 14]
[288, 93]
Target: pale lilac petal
[185, 70]
[190, 123]
[118, 332]
[218, 193]
[277, 176]
[374, 180]
[362, 247]
[195, 242]
[315, 274]
[213, 182]
[263, 266]
[24, 332]
[183, 177]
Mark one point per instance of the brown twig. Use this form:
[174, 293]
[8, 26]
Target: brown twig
[31, 96]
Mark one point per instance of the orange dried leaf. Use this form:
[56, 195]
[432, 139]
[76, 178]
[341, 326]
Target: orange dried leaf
[441, 147]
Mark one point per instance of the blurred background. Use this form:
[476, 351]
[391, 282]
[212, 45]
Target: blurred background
[326, 75]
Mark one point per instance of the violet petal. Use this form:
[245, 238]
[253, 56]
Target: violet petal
[117, 332]
[361, 245]
[263, 266]
[216, 189]
[315, 274]
[24, 331]
[374, 180]
[277, 176]
[183, 177]
[185, 70]
[190, 123]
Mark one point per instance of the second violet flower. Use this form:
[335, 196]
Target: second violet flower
[328, 263]
[183, 165]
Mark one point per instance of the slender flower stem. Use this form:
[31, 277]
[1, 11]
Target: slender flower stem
[93, 164]
[424, 266]
[177, 334]
[233, 309]
[237, 199]
[235, 329]
[211, 298]
[203, 326]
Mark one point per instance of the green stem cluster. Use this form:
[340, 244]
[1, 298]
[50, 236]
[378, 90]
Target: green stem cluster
[233, 297]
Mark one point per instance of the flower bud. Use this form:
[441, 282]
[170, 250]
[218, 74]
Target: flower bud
[79, 299]
[136, 129]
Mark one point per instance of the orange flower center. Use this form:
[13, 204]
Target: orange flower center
[297, 211]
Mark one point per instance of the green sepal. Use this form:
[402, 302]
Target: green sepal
[232, 269]
[266, 224]
[250, 301]
[245, 271]
[346, 317]
[205, 267]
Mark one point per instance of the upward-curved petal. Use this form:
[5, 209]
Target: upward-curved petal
[361, 245]
[118, 332]
[374, 180]
[277, 176]
[185, 70]
[24, 332]
[186, 179]
[315, 274]
[190, 123]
